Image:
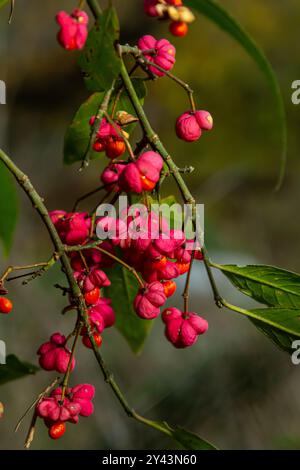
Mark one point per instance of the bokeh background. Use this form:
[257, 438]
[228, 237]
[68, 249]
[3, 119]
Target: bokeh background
[234, 387]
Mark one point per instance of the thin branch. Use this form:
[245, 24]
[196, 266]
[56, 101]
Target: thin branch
[31, 431]
[95, 8]
[186, 292]
[158, 146]
[121, 134]
[139, 56]
[35, 402]
[95, 245]
[66, 378]
[140, 145]
[89, 194]
[95, 127]
[44, 267]
[12, 8]
[119, 92]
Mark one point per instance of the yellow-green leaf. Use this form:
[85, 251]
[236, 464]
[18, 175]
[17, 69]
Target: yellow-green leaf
[216, 13]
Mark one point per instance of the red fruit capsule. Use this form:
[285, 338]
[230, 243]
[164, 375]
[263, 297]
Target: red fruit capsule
[169, 288]
[115, 149]
[93, 296]
[160, 264]
[57, 430]
[183, 267]
[179, 28]
[99, 146]
[1, 409]
[5, 305]
[147, 184]
[176, 3]
[87, 342]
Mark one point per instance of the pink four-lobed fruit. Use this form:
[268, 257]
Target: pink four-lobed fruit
[143, 174]
[77, 402]
[73, 29]
[54, 355]
[149, 300]
[189, 125]
[163, 55]
[183, 329]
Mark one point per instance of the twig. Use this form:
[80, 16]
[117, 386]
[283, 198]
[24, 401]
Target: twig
[44, 265]
[11, 14]
[66, 378]
[95, 8]
[139, 55]
[157, 145]
[95, 127]
[81, 248]
[120, 91]
[89, 194]
[121, 134]
[186, 292]
[31, 431]
[35, 402]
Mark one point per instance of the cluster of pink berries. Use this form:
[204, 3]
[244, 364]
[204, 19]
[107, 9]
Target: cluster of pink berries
[56, 410]
[147, 244]
[173, 10]
[73, 29]
[108, 138]
[158, 255]
[140, 175]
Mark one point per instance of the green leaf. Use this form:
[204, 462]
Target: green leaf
[188, 440]
[3, 3]
[99, 61]
[281, 325]
[8, 207]
[281, 339]
[285, 320]
[15, 369]
[266, 284]
[78, 133]
[216, 13]
[122, 291]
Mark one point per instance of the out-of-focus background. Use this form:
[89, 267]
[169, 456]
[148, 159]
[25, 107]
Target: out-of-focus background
[234, 387]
